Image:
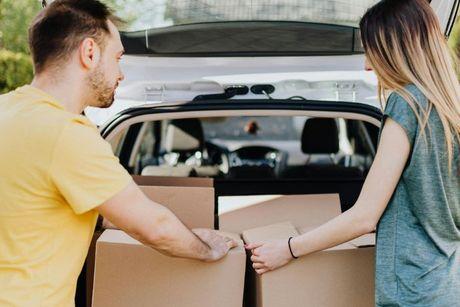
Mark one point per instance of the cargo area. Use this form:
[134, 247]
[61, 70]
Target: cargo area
[240, 176]
[123, 272]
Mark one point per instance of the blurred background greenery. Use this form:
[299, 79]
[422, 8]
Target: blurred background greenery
[16, 15]
[15, 61]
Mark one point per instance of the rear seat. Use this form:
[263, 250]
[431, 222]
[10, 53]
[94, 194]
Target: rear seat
[184, 139]
[320, 140]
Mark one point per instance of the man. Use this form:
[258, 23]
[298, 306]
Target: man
[56, 172]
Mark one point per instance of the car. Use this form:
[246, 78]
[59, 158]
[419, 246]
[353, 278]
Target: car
[269, 97]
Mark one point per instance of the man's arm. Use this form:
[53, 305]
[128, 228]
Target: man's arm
[157, 227]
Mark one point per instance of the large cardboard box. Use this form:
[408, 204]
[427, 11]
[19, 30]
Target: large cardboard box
[173, 181]
[339, 276]
[239, 213]
[194, 206]
[128, 273]
[191, 199]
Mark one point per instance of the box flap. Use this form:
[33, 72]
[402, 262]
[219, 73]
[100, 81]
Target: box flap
[194, 206]
[269, 233]
[366, 240]
[117, 237]
[239, 213]
[173, 181]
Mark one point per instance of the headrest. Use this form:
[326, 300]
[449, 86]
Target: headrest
[184, 135]
[320, 136]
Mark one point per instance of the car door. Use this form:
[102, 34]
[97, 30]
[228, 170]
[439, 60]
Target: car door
[447, 13]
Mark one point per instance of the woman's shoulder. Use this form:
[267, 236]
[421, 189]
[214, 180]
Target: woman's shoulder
[397, 99]
[416, 91]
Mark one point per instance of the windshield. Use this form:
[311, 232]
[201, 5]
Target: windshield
[150, 14]
[254, 128]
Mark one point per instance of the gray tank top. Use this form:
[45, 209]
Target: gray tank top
[418, 236]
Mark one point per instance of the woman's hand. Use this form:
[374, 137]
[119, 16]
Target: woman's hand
[269, 256]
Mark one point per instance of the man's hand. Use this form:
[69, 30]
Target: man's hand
[269, 256]
[156, 226]
[218, 244]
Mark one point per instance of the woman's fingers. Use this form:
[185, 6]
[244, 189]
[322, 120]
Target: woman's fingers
[258, 266]
[255, 258]
[261, 271]
[251, 246]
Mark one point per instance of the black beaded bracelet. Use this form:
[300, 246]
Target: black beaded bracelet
[290, 249]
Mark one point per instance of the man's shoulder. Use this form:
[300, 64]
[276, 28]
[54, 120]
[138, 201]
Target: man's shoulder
[80, 134]
[79, 124]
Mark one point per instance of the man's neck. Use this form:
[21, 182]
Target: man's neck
[67, 92]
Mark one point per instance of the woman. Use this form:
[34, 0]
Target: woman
[412, 191]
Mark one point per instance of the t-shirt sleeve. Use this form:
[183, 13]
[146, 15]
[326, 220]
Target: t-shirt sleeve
[84, 169]
[401, 112]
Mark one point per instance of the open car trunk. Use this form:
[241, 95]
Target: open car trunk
[234, 205]
[122, 272]
[195, 59]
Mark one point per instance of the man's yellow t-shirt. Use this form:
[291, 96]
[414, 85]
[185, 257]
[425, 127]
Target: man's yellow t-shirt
[54, 170]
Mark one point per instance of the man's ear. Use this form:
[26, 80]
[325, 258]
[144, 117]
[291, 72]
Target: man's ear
[89, 53]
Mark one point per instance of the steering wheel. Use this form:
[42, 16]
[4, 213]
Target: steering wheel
[218, 155]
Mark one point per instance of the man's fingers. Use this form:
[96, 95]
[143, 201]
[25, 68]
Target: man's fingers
[201, 233]
[253, 245]
[231, 243]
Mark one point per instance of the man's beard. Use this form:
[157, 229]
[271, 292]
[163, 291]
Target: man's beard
[102, 93]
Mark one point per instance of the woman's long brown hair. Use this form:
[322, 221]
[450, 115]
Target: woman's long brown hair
[404, 45]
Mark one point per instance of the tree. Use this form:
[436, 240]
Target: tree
[15, 17]
[15, 62]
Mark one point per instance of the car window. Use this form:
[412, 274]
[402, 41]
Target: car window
[148, 14]
[254, 128]
[240, 146]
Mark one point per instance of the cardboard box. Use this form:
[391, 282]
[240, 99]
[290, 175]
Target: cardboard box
[339, 276]
[191, 199]
[239, 213]
[194, 206]
[128, 273]
[173, 181]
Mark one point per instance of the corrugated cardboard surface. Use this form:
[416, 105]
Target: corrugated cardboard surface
[173, 181]
[190, 199]
[130, 274]
[300, 210]
[194, 206]
[340, 276]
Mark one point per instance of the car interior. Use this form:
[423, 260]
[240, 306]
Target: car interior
[250, 155]
[246, 155]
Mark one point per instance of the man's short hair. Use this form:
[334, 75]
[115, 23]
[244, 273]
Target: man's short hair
[60, 27]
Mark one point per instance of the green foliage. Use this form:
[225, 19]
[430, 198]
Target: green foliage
[15, 18]
[16, 67]
[15, 62]
[454, 39]
[15, 70]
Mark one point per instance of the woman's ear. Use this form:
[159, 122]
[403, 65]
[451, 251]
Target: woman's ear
[367, 66]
